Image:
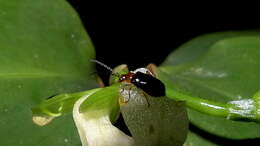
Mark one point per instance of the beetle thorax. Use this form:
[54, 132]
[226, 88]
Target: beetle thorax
[126, 77]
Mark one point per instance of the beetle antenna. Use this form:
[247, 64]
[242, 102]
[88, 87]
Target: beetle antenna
[105, 66]
[102, 64]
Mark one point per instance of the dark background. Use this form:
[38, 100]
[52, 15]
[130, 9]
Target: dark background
[139, 34]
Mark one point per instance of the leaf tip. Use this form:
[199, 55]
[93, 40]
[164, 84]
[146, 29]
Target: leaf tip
[42, 120]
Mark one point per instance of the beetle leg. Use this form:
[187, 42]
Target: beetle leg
[146, 98]
[125, 100]
[129, 94]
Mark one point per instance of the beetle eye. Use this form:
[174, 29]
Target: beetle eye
[122, 78]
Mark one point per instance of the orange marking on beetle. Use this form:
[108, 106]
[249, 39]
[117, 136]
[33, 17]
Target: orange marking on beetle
[126, 77]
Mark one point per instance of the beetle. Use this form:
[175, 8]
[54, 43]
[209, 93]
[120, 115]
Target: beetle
[142, 78]
[148, 83]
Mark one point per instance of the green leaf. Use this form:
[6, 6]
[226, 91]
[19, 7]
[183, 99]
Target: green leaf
[57, 106]
[219, 67]
[103, 102]
[195, 140]
[185, 53]
[154, 120]
[44, 51]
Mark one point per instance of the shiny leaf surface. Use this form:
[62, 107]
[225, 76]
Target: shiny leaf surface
[219, 67]
[44, 51]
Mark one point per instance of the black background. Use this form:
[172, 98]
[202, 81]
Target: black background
[137, 34]
[141, 33]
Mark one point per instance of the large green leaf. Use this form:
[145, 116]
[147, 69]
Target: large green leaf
[44, 50]
[185, 53]
[219, 67]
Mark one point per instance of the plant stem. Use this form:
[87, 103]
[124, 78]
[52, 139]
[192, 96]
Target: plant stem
[199, 104]
[239, 109]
